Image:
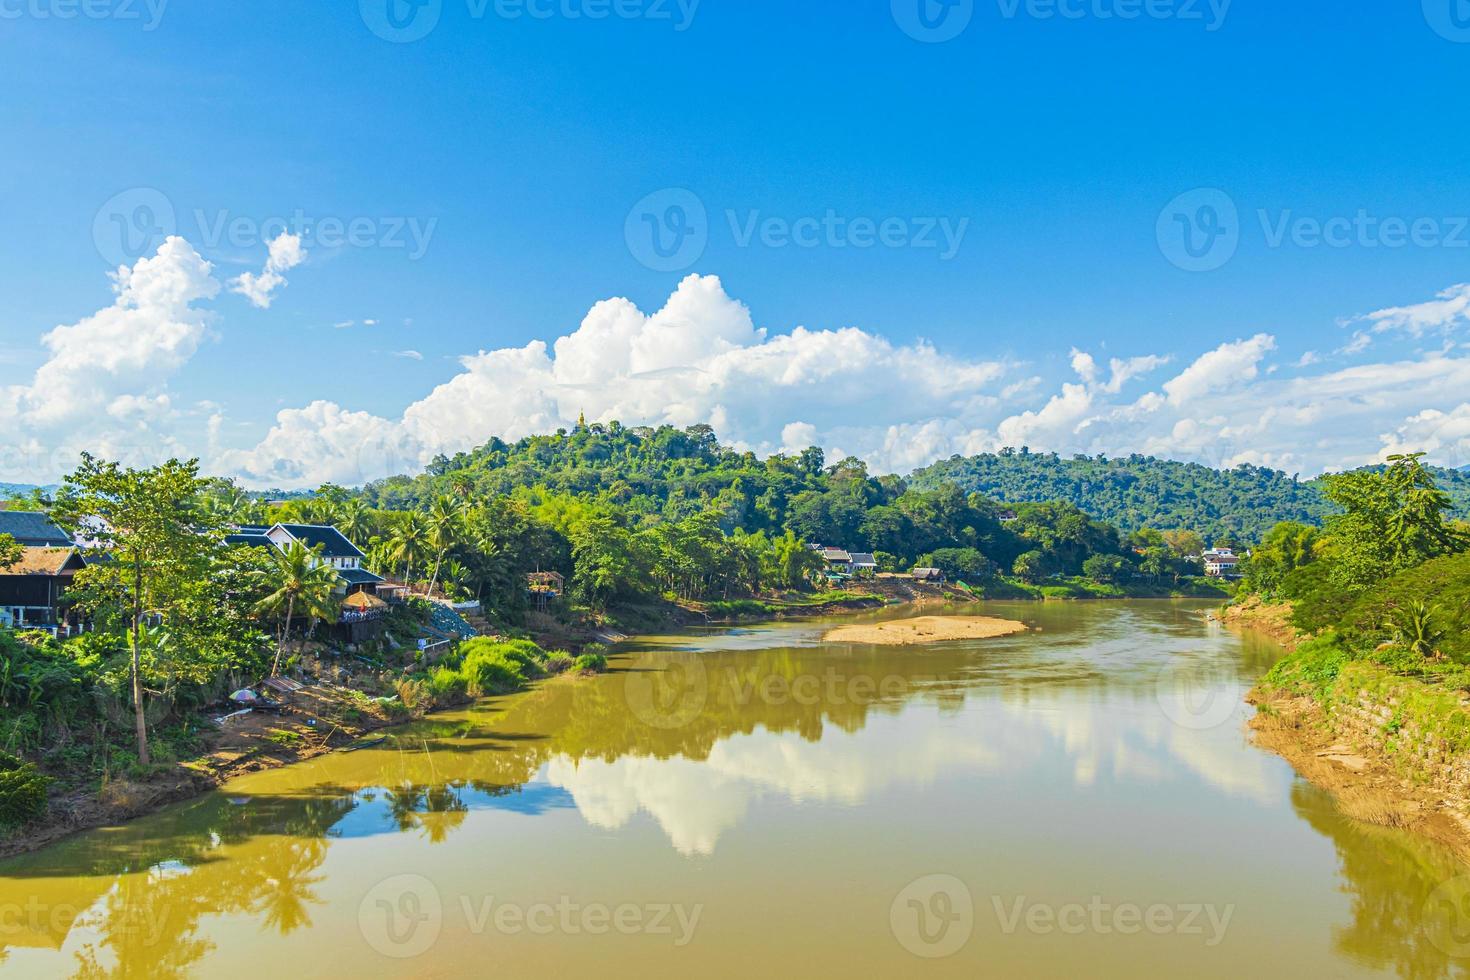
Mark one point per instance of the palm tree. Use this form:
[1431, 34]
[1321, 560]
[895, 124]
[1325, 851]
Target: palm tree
[320, 510]
[446, 515]
[410, 541]
[1417, 627]
[455, 574]
[302, 583]
[355, 520]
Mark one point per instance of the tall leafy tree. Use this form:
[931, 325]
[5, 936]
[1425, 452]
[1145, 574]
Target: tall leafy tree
[1393, 519]
[159, 542]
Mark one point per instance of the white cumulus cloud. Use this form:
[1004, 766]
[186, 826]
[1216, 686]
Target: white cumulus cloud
[285, 253]
[1227, 365]
[100, 385]
[1449, 309]
[700, 359]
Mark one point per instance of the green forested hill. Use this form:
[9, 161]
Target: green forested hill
[671, 474]
[1130, 492]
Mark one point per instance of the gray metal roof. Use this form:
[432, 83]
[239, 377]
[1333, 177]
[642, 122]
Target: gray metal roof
[33, 529]
[359, 576]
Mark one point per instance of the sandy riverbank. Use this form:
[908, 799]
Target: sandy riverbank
[924, 629]
[1362, 782]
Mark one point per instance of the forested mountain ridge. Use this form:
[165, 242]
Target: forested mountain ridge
[1131, 492]
[629, 498]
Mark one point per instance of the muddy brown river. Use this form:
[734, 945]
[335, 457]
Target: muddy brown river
[1078, 800]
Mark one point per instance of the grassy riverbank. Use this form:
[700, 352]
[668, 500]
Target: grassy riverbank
[95, 781]
[1357, 709]
[1394, 750]
[92, 782]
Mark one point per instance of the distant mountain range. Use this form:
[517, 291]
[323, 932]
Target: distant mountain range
[16, 489]
[1132, 492]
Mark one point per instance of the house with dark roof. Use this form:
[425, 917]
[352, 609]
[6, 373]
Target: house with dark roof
[839, 560]
[336, 550]
[362, 610]
[32, 588]
[33, 529]
[864, 565]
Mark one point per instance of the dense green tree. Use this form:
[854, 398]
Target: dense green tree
[10, 551]
[1132, 492]
[159, 541]
[1288, 546]
[1392, 519]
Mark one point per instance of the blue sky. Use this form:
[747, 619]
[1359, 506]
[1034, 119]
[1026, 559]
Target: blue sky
[491, 169]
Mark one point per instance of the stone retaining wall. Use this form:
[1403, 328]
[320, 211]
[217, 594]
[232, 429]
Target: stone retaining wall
[1394, 719]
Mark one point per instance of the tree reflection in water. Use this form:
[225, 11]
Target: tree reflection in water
[1392, 879]
[148, 887]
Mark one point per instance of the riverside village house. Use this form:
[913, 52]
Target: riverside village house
[1221, 563]
[31, 589]
[364, 594]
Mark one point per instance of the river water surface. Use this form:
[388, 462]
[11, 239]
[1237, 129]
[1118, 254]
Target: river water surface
[1079, 800]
